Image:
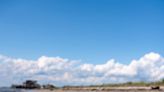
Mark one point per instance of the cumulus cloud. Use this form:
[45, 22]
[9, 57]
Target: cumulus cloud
[62, 71]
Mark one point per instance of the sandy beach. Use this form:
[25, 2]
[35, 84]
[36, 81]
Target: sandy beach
[106, 89]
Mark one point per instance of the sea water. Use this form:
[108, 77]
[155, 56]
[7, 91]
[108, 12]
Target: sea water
[4, 89]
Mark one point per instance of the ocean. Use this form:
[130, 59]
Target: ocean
[4, 89]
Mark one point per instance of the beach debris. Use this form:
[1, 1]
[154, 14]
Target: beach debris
[155, 87]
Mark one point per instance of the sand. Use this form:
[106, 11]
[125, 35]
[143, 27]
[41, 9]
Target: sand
[106, 89]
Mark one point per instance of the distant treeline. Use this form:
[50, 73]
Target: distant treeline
[32, 84]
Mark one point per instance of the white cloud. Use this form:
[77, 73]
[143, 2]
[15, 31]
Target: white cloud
[61, 71]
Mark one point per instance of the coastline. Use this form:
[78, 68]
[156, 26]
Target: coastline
[102, 89]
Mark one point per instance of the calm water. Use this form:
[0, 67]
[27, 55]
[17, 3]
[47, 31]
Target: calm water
[13, 90]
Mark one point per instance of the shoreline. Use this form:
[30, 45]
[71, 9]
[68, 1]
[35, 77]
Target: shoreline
[102, 89]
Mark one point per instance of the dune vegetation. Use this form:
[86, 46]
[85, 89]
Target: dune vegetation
[157, 83]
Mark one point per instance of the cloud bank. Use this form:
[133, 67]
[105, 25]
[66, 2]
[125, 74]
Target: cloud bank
[60, 71]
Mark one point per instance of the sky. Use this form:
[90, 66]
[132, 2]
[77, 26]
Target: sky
[86, 31]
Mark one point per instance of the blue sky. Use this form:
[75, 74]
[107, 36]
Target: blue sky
[93, 31]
